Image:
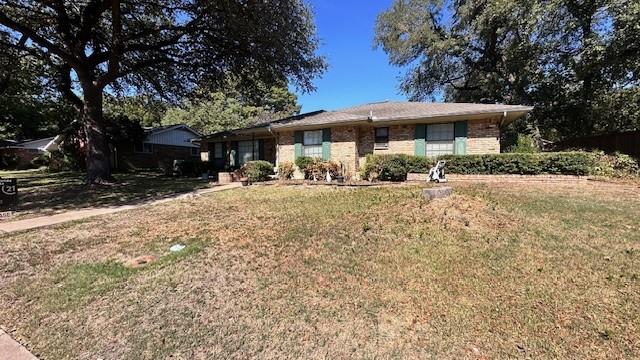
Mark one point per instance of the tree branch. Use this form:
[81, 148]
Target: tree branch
[65, 88]
[41, 41]
[115, 53]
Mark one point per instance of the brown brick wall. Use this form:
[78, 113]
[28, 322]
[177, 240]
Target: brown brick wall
[286, 147]
[483, 137]
[350, 145]
[24, 156]
[343, 147]
[400, 141]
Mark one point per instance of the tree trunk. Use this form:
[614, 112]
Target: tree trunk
[97, 149]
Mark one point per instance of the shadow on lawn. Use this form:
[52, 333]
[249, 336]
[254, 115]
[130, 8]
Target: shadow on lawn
[43, 193]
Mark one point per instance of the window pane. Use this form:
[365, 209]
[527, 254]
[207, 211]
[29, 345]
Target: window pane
[382, 131]
[245, 151]
[217, 150]
[256, 150]
[146, 147]
[312, 137]
[437, 148]
[312, 151]
[438, 132]
[382, 137]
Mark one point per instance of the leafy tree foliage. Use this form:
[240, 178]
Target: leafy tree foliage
[146, 110]
[576, 61]
[165, 48]
[27, 109]
[220, 111]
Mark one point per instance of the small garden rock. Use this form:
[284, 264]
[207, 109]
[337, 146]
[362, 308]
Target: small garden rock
[436, 193]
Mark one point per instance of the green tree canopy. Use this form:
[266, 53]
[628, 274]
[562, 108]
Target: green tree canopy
[154, 47]
[219, 111]
[28, 109]
[571, 59]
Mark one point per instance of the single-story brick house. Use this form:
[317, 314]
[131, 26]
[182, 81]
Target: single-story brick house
[28, 150]
[160, 146]
[348, 135]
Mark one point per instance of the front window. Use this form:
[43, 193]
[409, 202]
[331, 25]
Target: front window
[440, 139]
[146, 148]
[382, 138]
[195, 151]
[312, 144]
[217, 151]
[248, 151]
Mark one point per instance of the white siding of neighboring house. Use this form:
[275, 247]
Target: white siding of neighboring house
[37, 144]
[175, 137]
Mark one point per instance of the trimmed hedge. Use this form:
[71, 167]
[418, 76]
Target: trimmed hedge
[258, 170]
[395, 167]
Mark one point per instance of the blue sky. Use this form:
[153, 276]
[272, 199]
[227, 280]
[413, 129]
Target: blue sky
[357, 73]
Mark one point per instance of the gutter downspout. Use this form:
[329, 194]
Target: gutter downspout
[504, 117]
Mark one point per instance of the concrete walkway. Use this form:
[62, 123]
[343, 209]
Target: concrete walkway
[27, 224]
[12, 350]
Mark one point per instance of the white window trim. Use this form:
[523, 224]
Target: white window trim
[445, 141]
[315, 148]
[381, 146]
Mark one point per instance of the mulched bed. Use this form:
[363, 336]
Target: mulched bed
[361, 183]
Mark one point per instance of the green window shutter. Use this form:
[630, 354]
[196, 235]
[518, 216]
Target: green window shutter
[420, 137]
[297, 139]
[326, 144]
[460, 134]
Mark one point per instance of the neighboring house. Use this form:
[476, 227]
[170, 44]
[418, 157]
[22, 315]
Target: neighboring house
[27, 150]
[348, 135]
[159, 148]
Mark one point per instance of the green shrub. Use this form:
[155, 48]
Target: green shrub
[396, 167]
[285, 170]
[625, 165]
[258, 170]
[524, 145]
[8, 161]
[616, 165]
[41, 160]
[62, 161]
[303, 162]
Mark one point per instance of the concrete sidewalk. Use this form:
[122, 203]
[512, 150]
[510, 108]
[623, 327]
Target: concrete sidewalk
[12, 350]
[27, 224]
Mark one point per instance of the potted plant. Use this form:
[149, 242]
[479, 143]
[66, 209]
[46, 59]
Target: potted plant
[244, 180]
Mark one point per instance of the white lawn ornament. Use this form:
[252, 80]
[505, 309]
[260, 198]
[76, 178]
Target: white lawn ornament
[437, 172]
[328, 177]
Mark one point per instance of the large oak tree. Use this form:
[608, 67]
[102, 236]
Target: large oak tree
[165, 47]
[577, 61]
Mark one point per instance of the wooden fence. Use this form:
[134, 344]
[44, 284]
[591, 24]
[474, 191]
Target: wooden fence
[626, 143]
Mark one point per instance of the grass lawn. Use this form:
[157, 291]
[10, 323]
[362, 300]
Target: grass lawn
[495, 271]
[42, 193]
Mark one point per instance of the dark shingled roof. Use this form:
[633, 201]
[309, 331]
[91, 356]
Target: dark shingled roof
[385, 111]
[389, 110]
